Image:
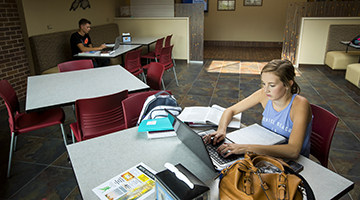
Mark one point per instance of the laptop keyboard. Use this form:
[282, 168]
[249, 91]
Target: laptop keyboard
[216, 156]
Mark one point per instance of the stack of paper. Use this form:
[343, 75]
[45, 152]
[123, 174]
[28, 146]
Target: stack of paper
[255, 134]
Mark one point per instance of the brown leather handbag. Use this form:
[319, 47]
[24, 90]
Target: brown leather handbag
[262, 177]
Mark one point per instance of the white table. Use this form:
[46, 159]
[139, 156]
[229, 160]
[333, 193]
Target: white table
[144, 41]
[59, 89]
[97, 160]
[120, 51]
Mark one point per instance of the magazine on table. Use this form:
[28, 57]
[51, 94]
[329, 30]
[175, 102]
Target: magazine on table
[207, 115]
[137, 182]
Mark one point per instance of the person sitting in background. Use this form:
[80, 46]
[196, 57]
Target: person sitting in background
[80, 41]
[285, 112]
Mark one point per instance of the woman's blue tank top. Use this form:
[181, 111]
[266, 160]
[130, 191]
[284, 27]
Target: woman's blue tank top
[280, 122]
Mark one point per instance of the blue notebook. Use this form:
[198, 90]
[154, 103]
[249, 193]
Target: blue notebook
[160, 124]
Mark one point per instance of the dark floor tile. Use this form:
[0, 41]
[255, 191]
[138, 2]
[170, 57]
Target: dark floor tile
[223, 102]
[52, 183]
[74, 195]
[353, 124]
[343, 106]
[21, 174]
[345, 162]
[204, 84]
[195, 100]
[228, 85]
[62, 161]
[234, 94]
[201, 91]
[38, 150]
[355, 193]
[345, 141]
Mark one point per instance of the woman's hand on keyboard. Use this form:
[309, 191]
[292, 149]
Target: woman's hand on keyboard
[214, 137]
[228, 149]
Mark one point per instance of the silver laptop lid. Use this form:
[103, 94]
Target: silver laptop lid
[191, 139]
[117, 42]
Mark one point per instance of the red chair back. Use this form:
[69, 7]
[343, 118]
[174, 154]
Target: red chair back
[158, 46]
[133, 61]
[75, 65]
[165, 57]
[99, 116]
[323, 128]
[154, 75]
[8, 93]
[132, 106]
[168, 40]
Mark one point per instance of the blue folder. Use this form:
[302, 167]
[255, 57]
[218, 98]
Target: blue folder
[159, 124]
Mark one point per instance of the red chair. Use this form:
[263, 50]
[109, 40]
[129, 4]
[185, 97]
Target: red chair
[132, 106]
[25, 122]
[154, 55]
[98, 116]
[154, 75]
[323, 128]
[168, 40]
[75, 65]
[133, 63]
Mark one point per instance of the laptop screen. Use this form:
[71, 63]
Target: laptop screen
[191, 139]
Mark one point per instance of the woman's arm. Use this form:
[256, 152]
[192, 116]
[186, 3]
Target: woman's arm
[249, 102]
[300, 114]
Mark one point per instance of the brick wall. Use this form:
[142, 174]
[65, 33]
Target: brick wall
[14, 65]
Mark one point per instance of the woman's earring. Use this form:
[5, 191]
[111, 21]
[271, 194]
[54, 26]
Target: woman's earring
[287, 88]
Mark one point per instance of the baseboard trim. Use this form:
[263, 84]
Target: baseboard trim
[242, 44]
[353, 87]
[310, 66]
[335, 72]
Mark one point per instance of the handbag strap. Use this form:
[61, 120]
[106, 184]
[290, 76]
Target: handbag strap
[309, 193]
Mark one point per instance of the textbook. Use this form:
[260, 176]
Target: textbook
[207, 115]
[159, 124]
[255, 134]
[160, 134]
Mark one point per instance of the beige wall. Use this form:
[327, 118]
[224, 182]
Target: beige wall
[313, 38]
[160, 27]
[39, 14]
[247, 23]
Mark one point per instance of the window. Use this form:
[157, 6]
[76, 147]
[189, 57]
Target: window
[226, 5]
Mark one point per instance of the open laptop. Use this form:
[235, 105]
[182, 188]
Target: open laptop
[206, 152]
[110, 47]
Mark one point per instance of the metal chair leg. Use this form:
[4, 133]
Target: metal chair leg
[162, 81]
[15, 142]
[63, 133]
[73, 137]
[175, 77]
[144, 78]
[10, 154]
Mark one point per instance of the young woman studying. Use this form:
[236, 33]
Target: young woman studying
[285, 112]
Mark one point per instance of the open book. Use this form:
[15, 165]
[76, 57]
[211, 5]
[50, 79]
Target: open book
[207, 115]
[255, 134]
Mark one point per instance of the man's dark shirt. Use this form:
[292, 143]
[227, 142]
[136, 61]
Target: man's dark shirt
[75, 39]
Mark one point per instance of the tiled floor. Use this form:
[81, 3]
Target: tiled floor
[40, 169]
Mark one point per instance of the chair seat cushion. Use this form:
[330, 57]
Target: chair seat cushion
[339, 60]
[26, 122]
[51, 70]
[150, 55]
[353, 74]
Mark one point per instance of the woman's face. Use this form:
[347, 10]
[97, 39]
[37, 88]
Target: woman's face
[273, 87]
